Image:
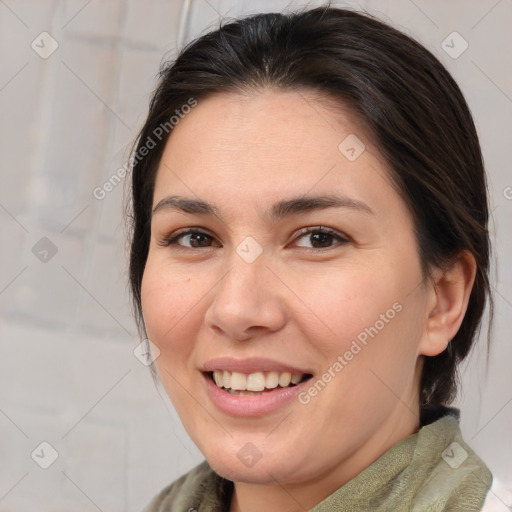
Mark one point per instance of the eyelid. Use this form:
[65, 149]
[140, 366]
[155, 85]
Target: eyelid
[321, 229]
[342, 238]
[173, 237]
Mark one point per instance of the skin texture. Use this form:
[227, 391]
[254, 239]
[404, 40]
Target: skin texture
[297, 303]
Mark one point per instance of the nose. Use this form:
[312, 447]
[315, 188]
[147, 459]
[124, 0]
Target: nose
[247, 302]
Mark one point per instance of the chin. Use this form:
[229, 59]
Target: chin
[239, 467]
[261, 475]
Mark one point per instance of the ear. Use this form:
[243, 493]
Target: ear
[447, 301]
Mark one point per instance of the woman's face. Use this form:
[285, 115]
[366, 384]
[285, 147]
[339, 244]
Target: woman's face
[258, 293]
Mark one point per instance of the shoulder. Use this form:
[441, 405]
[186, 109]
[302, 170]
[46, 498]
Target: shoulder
[193, 491]
[457, 477]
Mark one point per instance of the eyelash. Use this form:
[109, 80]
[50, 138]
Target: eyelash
[173, 239]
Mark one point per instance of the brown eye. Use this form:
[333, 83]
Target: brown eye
[192, 239]
[320, 238]
[197, 239]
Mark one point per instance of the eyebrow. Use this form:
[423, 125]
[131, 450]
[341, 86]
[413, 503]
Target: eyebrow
[279, 210]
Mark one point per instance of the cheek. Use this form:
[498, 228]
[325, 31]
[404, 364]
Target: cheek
[167, 302]
[345, 302]
[371, 357]
[369, 312]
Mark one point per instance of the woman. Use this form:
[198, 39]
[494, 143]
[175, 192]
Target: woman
[310, 259]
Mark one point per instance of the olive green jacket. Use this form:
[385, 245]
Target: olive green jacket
[432, 470]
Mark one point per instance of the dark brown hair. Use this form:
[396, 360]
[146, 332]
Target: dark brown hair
[413, 109]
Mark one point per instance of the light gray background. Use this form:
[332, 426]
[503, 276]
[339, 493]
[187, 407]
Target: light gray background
[67, 372]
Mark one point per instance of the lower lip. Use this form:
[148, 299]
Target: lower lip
[251, 405]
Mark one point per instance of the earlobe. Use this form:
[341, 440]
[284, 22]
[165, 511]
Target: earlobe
[447, 303]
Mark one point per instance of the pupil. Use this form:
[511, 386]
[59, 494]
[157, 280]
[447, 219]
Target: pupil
[195, 239]
[322, 238]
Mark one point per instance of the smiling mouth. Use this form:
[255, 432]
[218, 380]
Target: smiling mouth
[257, 383]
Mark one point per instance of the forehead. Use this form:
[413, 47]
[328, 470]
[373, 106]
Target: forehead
[269, 144]
[281, 124]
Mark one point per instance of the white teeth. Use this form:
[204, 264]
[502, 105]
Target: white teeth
[272, 380]
[285, 379]
[238, 381]
[296, 379]
[217, 376]
[257, 381]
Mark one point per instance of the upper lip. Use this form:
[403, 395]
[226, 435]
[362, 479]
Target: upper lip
[250, 365]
